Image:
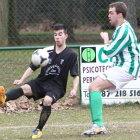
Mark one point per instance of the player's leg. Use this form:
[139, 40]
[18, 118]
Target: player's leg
[95, 104]
[95, 99]
[50, 98]
[14, 94]
[45, 113]
[112, 80]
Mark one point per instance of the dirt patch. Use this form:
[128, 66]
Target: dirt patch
[25, 105]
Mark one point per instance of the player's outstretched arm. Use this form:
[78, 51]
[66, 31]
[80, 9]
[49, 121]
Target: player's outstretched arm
[75, 87]
[27, 74]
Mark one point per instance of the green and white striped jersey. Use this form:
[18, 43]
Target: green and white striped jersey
[124, 49]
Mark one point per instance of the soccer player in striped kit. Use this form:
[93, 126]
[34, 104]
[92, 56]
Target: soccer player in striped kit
[122, 47]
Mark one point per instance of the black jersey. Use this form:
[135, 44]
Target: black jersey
[56, 72]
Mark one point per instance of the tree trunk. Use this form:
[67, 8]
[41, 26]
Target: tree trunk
[13, 34]
[3, 22]
[131, 14]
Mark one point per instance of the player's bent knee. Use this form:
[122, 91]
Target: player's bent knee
[26, 90]
[47, 101]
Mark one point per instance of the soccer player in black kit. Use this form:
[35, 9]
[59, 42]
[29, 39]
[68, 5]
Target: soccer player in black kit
[51, 82]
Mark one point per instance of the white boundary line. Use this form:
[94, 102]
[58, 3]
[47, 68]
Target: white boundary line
[17, 127]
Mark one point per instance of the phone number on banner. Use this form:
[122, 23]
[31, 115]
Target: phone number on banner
[122, 93]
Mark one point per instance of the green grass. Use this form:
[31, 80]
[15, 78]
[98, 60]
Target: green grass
[76, 32]
[121, 121]
[37, 33]
[13, 64]
[38, 38]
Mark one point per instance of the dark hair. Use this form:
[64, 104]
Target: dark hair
[60, 27]
[120, 8]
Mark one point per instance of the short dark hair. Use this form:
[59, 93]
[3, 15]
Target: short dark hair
[60, 27]
[120, 8]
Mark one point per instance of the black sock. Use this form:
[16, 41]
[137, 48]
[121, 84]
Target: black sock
[14, 94]
[45, 113]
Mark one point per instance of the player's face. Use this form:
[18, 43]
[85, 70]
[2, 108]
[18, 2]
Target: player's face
[113, 16]
[60, 37]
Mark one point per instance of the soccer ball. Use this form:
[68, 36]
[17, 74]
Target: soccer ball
[40, 58]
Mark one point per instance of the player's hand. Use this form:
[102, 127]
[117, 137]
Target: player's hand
[110, 41]
[72, 94]
[17, 82]
[105, 37]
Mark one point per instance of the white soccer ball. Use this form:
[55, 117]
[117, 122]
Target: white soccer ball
[40, 57]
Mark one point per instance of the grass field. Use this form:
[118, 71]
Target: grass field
[121, 121]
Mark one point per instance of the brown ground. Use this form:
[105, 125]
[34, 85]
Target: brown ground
[25, 105]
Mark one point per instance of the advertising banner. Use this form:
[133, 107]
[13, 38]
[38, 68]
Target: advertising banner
[92, 62]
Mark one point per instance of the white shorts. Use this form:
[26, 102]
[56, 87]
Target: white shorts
[117, 76]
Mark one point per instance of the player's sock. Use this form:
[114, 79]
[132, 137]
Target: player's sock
[95, 103]
[14, 94]
[46, 111]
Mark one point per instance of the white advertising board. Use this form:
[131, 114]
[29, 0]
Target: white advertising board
[92, 62]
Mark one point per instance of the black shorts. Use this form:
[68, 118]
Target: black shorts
[40, 91]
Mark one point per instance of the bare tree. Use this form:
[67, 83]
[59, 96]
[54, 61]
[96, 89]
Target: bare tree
[3, 22]
[13, 34]
[9, 34]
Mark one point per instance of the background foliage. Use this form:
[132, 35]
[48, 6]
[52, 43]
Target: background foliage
[30, 22]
